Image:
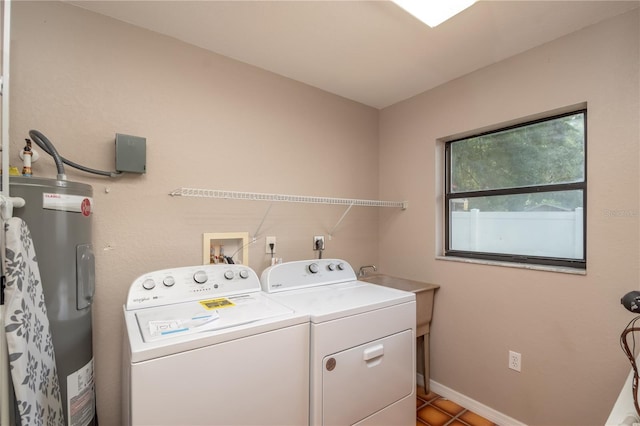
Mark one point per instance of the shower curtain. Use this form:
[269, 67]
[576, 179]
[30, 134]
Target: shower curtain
[31, 355]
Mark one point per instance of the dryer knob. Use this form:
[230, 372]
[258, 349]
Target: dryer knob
[341, 266]
[244, 274]
[148, 284]
[169, 281]
[313, 268]
[228, 275]
[200, 277]
[331, 267]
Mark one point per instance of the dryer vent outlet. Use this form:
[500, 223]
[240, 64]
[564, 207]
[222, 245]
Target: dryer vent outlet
[318, 242]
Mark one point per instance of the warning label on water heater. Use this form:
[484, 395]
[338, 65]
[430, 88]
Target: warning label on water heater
[67, 203]
[81, 398]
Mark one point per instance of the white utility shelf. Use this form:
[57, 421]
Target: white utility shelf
[256, 196]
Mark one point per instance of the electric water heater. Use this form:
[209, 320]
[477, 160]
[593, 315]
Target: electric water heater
[58, 213]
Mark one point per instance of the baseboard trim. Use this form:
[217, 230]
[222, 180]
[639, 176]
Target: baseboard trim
[470, 404]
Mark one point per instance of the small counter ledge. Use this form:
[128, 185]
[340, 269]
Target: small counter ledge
[424, 310]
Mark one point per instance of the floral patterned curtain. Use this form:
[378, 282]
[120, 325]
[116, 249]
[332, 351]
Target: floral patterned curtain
[31, 355]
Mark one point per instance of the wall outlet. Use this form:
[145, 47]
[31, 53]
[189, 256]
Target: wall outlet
[318, 242]
[269, 241]
[515, 361]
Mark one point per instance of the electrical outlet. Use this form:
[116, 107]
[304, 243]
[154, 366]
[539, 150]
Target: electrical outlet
[269, 241]
[318, 242]
[515, 361]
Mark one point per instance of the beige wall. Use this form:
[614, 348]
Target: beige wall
[210, 122]
[566, 326]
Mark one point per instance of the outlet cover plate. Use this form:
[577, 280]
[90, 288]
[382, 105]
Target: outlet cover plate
[515, 361]
[267, 248]
[317, 246]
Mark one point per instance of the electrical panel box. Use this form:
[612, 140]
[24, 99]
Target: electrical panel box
[131, 154]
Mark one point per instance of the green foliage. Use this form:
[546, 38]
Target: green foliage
[543, 153]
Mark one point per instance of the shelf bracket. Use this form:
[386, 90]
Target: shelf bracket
[255, 234]
[339, 221]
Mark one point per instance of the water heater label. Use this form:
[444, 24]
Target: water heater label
[67, 203]
[81, 397]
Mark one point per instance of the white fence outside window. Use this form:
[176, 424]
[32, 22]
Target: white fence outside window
[536, 233]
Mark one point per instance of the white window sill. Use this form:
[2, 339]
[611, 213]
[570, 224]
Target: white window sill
[548, 268]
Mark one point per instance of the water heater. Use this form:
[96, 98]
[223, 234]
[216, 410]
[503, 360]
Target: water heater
[58, 213]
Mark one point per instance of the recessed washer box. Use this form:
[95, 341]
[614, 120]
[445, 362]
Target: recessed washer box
[131, 153]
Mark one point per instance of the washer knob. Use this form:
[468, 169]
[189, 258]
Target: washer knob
[169, 281]
[341, 266]
[228, 274]
[200, 277]
[313, 268]
[331, 267]
[244, 274]
[148, 284]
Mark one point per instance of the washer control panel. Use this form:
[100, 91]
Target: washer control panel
[306, 273]
[189, 283]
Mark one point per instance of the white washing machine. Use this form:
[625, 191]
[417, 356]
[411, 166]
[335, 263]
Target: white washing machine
[362, 355]
[205, 346]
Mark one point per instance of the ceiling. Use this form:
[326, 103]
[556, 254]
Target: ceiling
[369, 51]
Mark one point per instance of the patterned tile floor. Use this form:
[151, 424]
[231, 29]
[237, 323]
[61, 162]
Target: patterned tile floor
[434, 410]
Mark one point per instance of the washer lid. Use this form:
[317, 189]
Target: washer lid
[207, 315]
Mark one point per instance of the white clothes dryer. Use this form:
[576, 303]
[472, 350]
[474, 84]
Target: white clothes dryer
[362, 358]
[205, 346]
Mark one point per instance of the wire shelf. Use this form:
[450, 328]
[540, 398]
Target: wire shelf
[256, 196]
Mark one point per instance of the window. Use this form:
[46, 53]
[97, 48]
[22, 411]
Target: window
[518, 194]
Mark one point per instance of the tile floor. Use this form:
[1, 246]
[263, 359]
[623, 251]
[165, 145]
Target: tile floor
[434, 410]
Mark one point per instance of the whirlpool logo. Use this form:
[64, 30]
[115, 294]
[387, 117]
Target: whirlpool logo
[141, 299]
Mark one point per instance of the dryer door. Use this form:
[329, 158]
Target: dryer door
[361, 381]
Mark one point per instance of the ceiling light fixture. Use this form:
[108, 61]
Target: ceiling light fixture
[434, 12]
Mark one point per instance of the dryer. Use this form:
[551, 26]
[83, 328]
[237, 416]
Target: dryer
[362, 342]
[204, 346]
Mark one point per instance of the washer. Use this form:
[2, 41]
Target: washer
[362, 354]
[204, 346]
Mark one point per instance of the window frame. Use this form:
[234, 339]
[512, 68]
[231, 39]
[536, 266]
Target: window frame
[515, 258]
